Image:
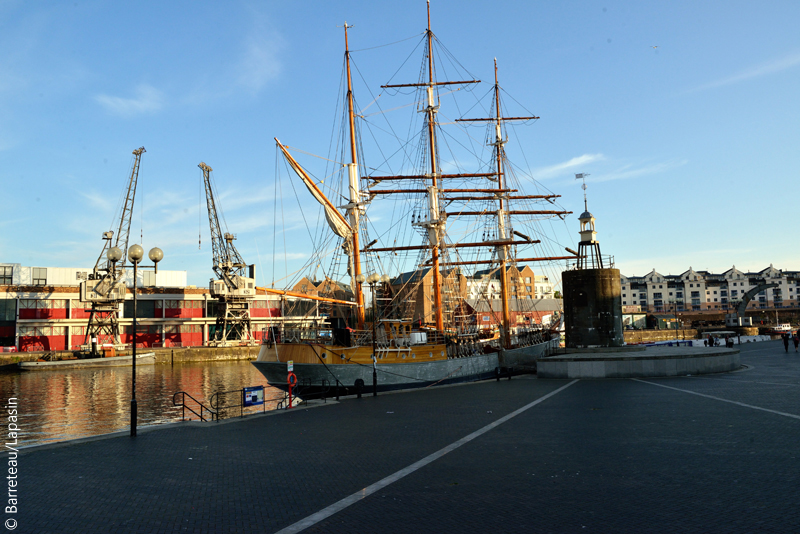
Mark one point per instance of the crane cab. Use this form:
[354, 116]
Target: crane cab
[102, 291]
[235, 285]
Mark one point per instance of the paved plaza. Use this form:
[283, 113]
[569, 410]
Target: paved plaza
[717, 453]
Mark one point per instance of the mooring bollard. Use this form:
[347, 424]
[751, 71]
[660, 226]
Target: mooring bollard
[374, 376]
[359, 387]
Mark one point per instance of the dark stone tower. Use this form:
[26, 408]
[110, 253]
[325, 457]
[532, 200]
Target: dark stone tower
[592, 296]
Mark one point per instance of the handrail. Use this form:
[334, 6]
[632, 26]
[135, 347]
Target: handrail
[214, 402]
[184, 407]
[300, 392]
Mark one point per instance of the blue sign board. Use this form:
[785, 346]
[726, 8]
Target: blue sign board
[253, 396]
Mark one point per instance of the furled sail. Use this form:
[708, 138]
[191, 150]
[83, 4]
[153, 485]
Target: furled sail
[335, 219]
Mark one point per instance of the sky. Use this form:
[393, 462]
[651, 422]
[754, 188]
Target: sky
[684, 114]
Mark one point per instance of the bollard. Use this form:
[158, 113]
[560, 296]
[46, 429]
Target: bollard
[374, 377]
[359, 387]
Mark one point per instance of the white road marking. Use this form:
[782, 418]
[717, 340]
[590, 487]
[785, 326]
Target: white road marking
[369, 490]
[747, 381]
[720, 399]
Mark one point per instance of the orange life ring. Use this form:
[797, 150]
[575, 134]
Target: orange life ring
[292, 379]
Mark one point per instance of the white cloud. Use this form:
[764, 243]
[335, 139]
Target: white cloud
[97, 200]
[544, 173]
[259, 64]
[764, 69]
[148, 99]
[629, 171]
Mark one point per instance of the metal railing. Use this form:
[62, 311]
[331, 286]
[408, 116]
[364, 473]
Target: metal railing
[202, 407]
[238, 397]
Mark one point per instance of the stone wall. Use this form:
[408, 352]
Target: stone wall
[168, 355]
[649, 336]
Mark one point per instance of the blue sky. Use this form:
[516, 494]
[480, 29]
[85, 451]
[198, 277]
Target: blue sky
[685, 115]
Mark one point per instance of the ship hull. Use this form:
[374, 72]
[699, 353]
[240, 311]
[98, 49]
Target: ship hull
[319, 378]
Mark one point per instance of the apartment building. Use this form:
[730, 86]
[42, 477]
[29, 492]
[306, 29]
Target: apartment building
[701, 290]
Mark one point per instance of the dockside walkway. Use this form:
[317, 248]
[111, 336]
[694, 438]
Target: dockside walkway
[718, 453]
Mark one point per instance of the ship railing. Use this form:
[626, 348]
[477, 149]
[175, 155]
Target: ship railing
[306, 335]
[361, 337]
[435, 336]
[179, 399]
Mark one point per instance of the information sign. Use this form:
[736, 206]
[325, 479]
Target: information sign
[253, 396]
[290, 366]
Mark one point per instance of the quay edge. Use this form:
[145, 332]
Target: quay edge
[169, 355]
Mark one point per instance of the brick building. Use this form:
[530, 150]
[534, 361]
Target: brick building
[40, 309]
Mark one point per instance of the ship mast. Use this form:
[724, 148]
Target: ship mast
[502, 250]
[503, 237]
[433, 194]
[355, 193]
[436, 219]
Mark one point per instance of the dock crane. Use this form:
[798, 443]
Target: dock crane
[235, 286]
[104, 288]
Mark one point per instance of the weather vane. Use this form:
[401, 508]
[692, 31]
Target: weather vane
[582, 176]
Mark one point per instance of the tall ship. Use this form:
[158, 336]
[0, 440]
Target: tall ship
[413, 239]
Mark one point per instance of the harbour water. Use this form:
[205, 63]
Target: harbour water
[61, 405]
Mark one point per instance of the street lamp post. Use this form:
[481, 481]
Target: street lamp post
[135, 254]
[373, 280]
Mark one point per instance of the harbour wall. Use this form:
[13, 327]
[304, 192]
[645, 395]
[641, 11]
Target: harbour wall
[650, 336]
[8, 360]
[655, 362]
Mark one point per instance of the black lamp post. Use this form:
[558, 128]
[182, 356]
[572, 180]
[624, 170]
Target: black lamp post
[373, 280]
[135, 254]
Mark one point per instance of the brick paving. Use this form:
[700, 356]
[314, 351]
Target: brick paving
[599, 456]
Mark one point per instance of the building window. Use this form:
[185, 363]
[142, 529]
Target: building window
[656, 295]
[624, 302]
[39, 276]
[723, 293]
[734, 292]
[679, 294]
[695, 295]
[6, 272]
[691, 285]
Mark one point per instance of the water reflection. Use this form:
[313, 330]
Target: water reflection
[60, 405]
